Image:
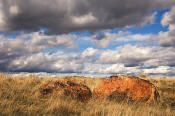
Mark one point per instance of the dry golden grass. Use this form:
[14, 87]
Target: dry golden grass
[20, 96]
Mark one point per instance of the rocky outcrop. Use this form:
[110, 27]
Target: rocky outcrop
[67, 88]
[127, 87]
[80, 92]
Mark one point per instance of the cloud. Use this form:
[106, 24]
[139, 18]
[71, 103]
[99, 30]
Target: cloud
[51, 50]
[103, 39]
[159, 70]
[25, 45]
[132, 56]
[164, 4]
[44, 62]
[14, 10]
[137, 60]
[150, 19]
[128, 55]
[84, 20]
[35, 42]
[167, 39]
[64, 16]
[89, 52]
[28, 53]
[129, 37]
[2, 18]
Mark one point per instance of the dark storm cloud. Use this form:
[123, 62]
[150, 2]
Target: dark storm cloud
[63, 16]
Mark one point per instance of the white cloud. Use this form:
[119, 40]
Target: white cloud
[135, 37]
[14, 10]
[22, 49]
[167, 39]
[158, 70]
[25, 52]
[126, 59]
[89, 52]
[34, 42]
[84, 20]
[128, 55]
[105, 38]
[119, 68]
[58, 62]
[150, 19]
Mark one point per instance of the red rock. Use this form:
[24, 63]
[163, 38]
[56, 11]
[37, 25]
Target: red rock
[80, 92]
[47, 88]
[129, 87]
[67, 88]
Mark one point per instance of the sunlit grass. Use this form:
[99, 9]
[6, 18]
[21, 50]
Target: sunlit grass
[20, 96]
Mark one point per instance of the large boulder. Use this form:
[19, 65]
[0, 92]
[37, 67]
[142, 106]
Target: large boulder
[127, 87]
[67, 88]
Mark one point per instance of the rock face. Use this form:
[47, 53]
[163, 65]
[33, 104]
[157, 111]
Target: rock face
[127, 87]
[67, 88]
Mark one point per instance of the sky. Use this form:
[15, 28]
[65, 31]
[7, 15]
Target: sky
[88, 36]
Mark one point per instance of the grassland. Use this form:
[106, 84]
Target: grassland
[20, 96]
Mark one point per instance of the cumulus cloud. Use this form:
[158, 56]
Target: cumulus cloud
[51, 50]
[104, 38]
[159, 70]
[167, 39]
[128, 55]
[89, 52]
[28, 44]
[138, 59]
[130, 59]
[64, 16]
[132, 56]
[44, 62]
